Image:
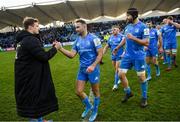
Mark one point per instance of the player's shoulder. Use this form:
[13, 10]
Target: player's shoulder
[166, 26]
[155, 30]
[173, 26]
[77, 40]
[127, 26]
[111, 36]
[142, 25]
[121, 35]
[162, 27]
[92, 36]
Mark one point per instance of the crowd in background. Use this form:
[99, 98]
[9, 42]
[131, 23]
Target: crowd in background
[67, 32]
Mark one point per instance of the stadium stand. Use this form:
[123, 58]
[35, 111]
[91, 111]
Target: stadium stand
[67, 33]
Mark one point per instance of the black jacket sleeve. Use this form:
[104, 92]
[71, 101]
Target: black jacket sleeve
[33, 45]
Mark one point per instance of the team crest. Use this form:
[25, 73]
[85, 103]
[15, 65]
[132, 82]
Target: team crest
[88, 43]
[136, 30]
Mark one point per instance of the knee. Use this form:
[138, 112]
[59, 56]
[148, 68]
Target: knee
[147, 63]
[122, 75]
[174, 55]
[142, 79]
[96, 92]
[78, 92]
[168, 54]
[154, 61]
[117, 70]
[141, 76]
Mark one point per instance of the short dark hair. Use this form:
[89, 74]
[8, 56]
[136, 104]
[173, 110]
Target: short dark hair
[133, 12]
[81, 21]
[116, 26]
[170, 17]
[149, 21]
[29, 21]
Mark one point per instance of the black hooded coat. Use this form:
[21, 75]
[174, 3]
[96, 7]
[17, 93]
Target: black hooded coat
[34, 88]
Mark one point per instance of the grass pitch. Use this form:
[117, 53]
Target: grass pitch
[164, 92]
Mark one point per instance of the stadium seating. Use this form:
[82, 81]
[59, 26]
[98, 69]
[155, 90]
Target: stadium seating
[67, 32]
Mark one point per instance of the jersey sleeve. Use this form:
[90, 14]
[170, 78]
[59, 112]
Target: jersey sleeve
[34, 47]
[97, 43]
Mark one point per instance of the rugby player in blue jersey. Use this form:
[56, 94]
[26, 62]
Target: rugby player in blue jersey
[137, 36]
[170, 42]
[113, 42]
[152, 49]
[163, 39]
[90, 51]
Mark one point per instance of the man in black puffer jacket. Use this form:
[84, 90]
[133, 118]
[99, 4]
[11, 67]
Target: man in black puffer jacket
[34, 88]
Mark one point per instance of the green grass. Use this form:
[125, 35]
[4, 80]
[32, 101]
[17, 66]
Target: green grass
[164, 92]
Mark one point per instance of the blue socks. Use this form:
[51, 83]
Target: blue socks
[96, 104]
[127, 90]
[40, 119]
[157, 68]
[165, 58]
[173, 59]
[87, 102]
[169, 60]
[144, 88]
[148, 69]
[116, 78]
